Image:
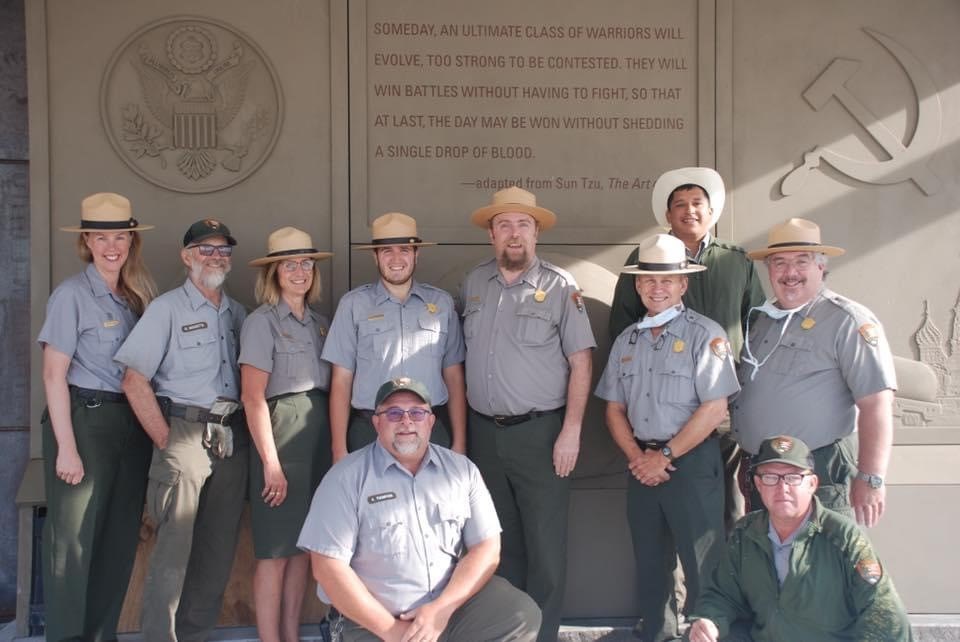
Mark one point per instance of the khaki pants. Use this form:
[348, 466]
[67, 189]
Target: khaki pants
[498, 611]
[91, 530]
[195, 500]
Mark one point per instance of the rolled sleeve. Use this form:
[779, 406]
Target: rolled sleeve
[149, 340]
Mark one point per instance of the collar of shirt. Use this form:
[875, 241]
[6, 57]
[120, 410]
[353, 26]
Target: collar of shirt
[283, 311]
[383, 459]
[382, 295]
[98, 286]
[674, 327]
[530, 276]
[197, 300]
[775, 537]
[704, 242]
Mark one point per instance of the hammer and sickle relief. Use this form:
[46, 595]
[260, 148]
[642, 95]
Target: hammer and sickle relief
[906, 162]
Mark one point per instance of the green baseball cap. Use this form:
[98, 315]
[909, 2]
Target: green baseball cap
[784, 449]
[400, 384]
[206, 228]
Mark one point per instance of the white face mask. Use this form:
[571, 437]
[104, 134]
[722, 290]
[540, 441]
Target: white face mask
[660, 319]
[773, 312]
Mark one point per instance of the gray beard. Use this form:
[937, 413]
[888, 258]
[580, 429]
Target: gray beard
[210, 280]
[407, 447]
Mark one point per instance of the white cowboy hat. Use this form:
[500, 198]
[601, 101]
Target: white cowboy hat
[706, 178]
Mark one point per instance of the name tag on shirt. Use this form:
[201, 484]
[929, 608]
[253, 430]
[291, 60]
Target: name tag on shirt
[190, 327]
[381, 497]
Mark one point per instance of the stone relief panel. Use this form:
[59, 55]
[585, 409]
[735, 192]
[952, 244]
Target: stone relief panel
[906, 161]
[191, 104]
[942, 354]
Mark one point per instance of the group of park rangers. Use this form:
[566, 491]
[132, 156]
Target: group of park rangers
[420, 444]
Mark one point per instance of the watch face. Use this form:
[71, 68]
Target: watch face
[876, 481]
[666, 452]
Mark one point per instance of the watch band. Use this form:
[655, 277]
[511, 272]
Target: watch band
[875, 481]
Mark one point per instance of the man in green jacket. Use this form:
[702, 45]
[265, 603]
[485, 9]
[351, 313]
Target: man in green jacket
[690, 201]
[797, 571]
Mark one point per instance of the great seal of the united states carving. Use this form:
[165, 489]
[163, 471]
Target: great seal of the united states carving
[191, 104]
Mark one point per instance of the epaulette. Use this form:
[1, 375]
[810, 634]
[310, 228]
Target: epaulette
[860, 313]
[559, 270]
[729, 246]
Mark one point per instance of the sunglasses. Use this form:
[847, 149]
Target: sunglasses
[395, 415]
[210, 250]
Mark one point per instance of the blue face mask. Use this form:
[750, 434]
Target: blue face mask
[773, 312]
[660, 319]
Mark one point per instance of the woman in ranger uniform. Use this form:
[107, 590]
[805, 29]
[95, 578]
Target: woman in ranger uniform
[284, 388]
[96, 455]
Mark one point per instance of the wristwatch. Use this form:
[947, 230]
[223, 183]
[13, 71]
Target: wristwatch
[875, 481]
[667, 452]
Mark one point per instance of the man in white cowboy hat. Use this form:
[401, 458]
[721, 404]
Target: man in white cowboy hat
[183, 383]
[529, 347]
[816, 365]
[396, 326]
[797, 571]
[666, 385]
[689, 201]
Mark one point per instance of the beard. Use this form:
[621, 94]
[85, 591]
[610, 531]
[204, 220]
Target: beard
[408, 446]
[210, 278]
[513, 264]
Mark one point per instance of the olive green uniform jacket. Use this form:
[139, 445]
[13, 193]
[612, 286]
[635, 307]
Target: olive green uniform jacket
[835, 589]
[725, 292]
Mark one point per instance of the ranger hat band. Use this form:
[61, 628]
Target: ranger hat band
[106, 211]
[784, 449]
[703, 177]
[662, 254]
[514, 199]
[400, 384]
[207, 228]
[393, 228]
[287, 243]
[795, 235]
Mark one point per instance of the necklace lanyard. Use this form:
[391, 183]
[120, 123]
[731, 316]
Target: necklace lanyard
[774, 313]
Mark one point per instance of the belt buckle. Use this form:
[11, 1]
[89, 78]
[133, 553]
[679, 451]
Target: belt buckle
[499, 419]
[93, 402]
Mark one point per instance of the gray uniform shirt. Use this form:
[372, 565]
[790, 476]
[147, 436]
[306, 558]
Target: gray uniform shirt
[88, 323]
[402, 534]
[377, 338]
[187, 347]
[518, 337]
[663, 380]
[833, 352]
[276, 341]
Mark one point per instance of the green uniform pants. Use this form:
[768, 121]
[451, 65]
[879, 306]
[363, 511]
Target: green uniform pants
[680, 518]
[91, 530]
[532, 503]
[195, 500]
[498, 612]
[360, 431]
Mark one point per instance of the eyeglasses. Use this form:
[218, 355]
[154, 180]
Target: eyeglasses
[395, 415]
[772, 479]
[782, 265]
[210, 250]
[293, 266]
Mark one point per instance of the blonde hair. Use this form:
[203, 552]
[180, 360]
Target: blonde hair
[135, 285]
[267, 289]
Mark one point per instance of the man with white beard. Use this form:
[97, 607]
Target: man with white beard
[182, 382]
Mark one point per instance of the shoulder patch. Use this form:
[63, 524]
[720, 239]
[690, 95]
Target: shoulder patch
[720, 348]
[869, 570]
[870, 333]
[577, 300]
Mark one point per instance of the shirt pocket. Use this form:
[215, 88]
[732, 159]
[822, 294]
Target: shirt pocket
[471, 319]
[198, 348]
[794, 356]
[431, 334]
[386, 536]
[675, 384]
[450, 518]
[534, 325]
[372, 338]
[292, 357]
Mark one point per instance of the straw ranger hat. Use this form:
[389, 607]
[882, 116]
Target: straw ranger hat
[795, 235]
[289, 243]
[662, 254]
[514, 199]
[706, 178]
[106, 211]
[393, 228]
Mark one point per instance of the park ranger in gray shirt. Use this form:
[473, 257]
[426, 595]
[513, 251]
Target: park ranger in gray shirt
[529, 347]
[180, 358]
[404, 537]
[666, 384]
[817, 366]
[395, 326]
